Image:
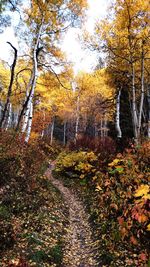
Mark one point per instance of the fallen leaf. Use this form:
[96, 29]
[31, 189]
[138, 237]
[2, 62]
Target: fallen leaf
[133, 240]
[143, 256]
[142, 190]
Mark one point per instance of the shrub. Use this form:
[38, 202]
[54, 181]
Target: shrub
[21, 185]
[124, 195]
[77, 164]
[20, 160]
[105, 147]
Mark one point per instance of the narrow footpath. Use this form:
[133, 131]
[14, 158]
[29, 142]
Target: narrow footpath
[79, 250]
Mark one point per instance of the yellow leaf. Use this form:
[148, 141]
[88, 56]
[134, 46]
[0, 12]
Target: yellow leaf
[146, 196]
[142, 190]
[94, 178]
[148, 227]
[114, 163]
[98, 188]
[82, 176]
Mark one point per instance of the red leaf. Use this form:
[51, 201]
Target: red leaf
[133, 240]
[143, 256]
[120, 220]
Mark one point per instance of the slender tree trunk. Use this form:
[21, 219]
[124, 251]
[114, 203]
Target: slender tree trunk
[9, 117]
[77, 119]
[142, 94]
[10, 85]
[26, 114]
[134, 108]
[42, 133]
[31, 94]
[148, 99]
[52, 130]
[26, 117]
[34, 75]
[148, 129]
[105, 126]
[95, 130]
[16, 115]
[1, 110]
[64, 137]
[118, 129]
[101, 127]
[29, 123]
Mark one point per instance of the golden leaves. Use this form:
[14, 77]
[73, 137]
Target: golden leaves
[142, 191]
[148, 227]
[98, 188]
[114, 162]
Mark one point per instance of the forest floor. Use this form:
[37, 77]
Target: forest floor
[53, 222]
[32, 224]
[79, 249]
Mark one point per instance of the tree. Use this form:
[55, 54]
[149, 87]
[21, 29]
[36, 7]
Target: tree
[7, 104]
[96, 101]
[46, 21]
[126, 40]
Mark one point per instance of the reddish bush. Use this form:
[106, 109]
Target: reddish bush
[143, 156]
[19, 160]
[105, 147]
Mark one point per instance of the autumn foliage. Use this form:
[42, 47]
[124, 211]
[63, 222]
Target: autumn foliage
[102, 122]
[25, 201]
[121, 195]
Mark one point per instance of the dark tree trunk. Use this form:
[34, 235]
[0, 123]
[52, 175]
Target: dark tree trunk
[10, 85]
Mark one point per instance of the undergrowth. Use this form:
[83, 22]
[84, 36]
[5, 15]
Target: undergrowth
[32, 213]
[116, 194]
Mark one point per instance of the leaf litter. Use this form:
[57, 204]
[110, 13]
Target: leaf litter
[79, 247]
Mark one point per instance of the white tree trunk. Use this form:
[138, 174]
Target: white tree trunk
[142, 95]
[33, 78]
[9, 117]
[29, 123]
[118, 128]
[1, 110]
[101, 127]
[96, 130]
[64, 137]
[26, 117]
[148, 129]
[105, 127]
[77, 119]
[16, 115]
[148, 99]
[52, 130]
[42, 133]
[134, 108]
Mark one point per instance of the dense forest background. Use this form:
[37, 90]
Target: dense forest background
[40, 89]
[96, 124]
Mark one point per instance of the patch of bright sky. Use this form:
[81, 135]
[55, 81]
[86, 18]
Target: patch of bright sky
[83, 60]
[8, 36]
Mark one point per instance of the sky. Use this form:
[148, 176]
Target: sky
[82, 60]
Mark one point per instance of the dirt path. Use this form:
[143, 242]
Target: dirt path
[78, 251]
